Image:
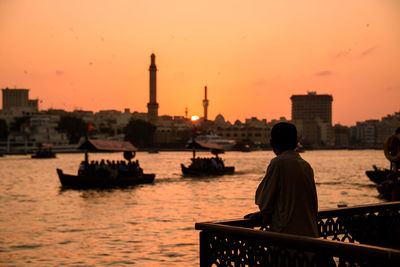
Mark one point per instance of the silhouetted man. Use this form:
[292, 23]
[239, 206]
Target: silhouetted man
[287, 196]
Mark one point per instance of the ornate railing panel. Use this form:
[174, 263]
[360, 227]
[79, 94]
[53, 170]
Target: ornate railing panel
[357, 236]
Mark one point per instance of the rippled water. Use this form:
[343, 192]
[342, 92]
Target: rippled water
[148, 225]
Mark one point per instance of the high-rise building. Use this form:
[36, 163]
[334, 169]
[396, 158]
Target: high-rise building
[205, 103]
[152, 106]
[312, 107]
[312, 115]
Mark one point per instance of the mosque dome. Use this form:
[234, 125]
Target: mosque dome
[219, 119]
[238, 123]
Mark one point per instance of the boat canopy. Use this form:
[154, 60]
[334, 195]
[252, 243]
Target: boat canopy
[215, 148]
[107, 145]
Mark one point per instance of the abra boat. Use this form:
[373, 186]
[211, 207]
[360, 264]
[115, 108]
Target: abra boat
[206, 166]
[377, 175]
[106, 174]
[44, 151]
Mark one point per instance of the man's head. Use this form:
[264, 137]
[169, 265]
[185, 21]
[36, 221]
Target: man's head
[283, 137]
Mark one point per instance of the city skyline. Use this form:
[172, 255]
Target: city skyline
[251, 57]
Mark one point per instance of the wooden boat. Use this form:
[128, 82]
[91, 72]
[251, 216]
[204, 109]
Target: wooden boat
[102, 182]
[153, 151]
[108, 175]
[209, 172]
[206, 166]
[377, 175]
[44, 151]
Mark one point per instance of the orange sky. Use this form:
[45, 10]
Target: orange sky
[252, 55]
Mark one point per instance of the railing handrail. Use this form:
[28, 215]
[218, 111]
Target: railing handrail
[358, 209]
[335, 248]
[247, 223]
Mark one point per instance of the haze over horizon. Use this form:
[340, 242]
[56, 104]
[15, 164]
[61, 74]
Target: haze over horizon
[95, 55]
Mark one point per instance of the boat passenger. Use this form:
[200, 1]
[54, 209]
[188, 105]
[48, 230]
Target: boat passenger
[82, 168]
[122, 169]
[214, 164]
[96, 165]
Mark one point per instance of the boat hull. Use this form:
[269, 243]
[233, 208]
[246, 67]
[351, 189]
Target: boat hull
[89, 182]
[377, 176]
[210, 172]
[385, 189]
[40, 156]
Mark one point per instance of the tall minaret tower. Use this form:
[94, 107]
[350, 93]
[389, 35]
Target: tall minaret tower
[205, 103]
[152, 106]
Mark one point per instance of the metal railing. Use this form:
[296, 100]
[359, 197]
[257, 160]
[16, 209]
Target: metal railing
[356, 236]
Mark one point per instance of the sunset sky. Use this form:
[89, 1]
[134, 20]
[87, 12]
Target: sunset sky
[252, 55]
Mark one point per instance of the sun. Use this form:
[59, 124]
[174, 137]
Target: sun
[195, 118]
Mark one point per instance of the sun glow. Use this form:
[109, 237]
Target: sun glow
[195, 118]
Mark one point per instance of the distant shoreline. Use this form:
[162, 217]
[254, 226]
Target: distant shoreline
[74, 149]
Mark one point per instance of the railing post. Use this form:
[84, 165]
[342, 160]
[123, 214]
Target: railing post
[203, 249]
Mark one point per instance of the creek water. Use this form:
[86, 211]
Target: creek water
[153, 224]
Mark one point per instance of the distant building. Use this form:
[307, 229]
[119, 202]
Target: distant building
[43, 129]
[253, 130]
[312, 114]
[16, 103]
[366, 133]
[311, 107]
[172, 131]
[152, 106]
[386, 127]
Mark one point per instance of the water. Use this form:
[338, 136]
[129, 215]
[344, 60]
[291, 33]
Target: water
[148, 225]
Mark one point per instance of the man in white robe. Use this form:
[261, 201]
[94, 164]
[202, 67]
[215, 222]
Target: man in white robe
[287, 196]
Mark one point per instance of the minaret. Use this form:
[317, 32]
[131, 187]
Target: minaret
[152, 106]
[205, 103]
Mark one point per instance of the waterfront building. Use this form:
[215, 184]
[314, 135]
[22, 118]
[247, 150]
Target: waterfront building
[311, 107]
[139, 115]
[172, 131]
[16, 103]
[341, 136]
[372, 133]
[387, 126]
[366, 132]
[275, 121]
[152, 106]
[253, 130]
[43, 129]
[312, 114]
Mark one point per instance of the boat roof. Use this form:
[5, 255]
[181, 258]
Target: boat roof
[107, 145]
[205, 145]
